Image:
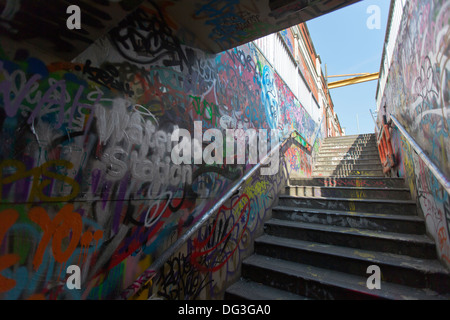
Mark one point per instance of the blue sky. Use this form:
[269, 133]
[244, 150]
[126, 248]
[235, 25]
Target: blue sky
[347, 45]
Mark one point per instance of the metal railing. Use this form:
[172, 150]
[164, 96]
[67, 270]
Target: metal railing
[443, 180]
[372, 113]
[152, 271]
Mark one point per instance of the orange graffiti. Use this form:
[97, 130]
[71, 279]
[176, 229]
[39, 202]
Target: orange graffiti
[37, 296]
[7, 219]
[65, 223]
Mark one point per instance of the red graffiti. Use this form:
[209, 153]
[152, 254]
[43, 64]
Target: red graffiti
[442, 235]
[200, 247]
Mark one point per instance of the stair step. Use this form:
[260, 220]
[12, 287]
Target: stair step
[400, 269]
[349, 141]
[359, 135]
[248, 290]
[353, 135]
[347, 167]
[358, 146]
[347, 156]
[343, 151]
[342, 156]
[355, 174]
[351, 138]
[419, 246]
[401, 207]
[348, 173]
[350, 167]
[319, 283]
[370, 221]
[360, 182]
[348, 192]
[326, 162]
[352, 150]
[364, 144]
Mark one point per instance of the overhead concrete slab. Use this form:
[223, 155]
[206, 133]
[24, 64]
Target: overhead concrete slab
[219, 25]
[211, 25]
[41, 25]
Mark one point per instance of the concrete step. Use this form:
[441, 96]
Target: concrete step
[381, 206]
[369, 221]
[347, 155]
[330, 144]
[333, 156]
[419, 246]
[360, 182]
[348, 166]
[348, 192]
[400, 269]
[319, 283]
[348, 139]
[361, 146]
[248, 290]
[345, 162]
[346, 150]
[352, 138]
[342, 172]
[348, 173]
[359, 135]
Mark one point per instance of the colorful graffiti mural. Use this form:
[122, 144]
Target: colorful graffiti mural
[86, 176]
[416, 94]
[434, 201]
[418, 79]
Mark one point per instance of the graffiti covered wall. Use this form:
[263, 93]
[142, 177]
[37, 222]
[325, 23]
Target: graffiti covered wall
[87, 177]
[417, 94]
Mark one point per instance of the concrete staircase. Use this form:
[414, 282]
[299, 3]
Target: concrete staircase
[327, 230]
[349, 156]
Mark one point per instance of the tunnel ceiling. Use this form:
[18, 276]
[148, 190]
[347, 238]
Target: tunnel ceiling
[211, 25]
[219, 25]
[40, 25]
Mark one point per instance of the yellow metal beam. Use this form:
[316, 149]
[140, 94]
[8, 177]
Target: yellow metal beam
[354, 80]
[348, 75]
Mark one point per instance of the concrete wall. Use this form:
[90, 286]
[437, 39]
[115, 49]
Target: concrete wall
[417, 94]
[86, 173]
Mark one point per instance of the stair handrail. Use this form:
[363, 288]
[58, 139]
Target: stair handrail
[152, 270]
[443, 180]
[374, 121]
